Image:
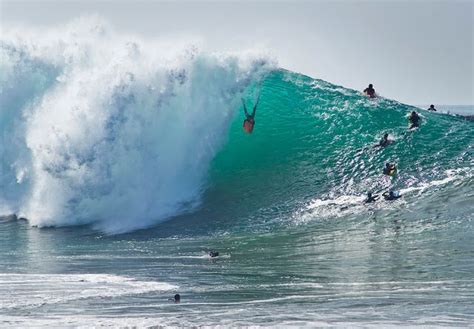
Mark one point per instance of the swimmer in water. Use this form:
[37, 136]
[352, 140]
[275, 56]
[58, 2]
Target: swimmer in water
[390, 169]
[383, 142]
[390, 196]
[414, 119]
[176, 299]
[213, 253]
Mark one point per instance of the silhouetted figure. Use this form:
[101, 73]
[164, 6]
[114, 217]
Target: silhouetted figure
[176, 298]
[390, 196]
[213, 254]
[432, 108]
[414, 119]
[370, 91]
[384, 141]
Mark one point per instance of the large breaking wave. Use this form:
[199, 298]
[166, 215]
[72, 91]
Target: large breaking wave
[108, 129]
[122, 133]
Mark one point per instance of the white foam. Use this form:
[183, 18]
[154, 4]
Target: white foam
[113, 130]
[344, 204]
[33, 290]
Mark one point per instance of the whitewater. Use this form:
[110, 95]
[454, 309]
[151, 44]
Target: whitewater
[108, 130]
[123, 162]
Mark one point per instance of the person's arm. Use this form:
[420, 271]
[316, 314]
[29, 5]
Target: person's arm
[245, 108]
[255, 106]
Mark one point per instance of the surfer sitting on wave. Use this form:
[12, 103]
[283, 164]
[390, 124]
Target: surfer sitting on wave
[390, 169]
[249, 121]
[432, 108]
[390, 196]
[370, 91]
[414, 119]
[371, 198]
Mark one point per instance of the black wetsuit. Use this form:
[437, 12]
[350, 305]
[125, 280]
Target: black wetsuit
[415, 120]
[384, 142]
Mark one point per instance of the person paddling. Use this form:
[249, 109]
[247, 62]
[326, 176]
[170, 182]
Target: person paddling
[414, 119]
[384, 141]
[249, 121]
[392, 195]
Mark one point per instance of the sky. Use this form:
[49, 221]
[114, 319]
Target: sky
[417, 52]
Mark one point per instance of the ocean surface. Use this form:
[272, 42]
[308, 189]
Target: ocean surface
[122, 165]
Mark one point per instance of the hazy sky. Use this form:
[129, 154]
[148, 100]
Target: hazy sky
[417, 52]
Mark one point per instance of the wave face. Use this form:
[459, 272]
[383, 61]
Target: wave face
[311, 154]
[111, 130]
[318, 136]
[124, 134]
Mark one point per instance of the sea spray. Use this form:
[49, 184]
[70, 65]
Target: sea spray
[111, 130]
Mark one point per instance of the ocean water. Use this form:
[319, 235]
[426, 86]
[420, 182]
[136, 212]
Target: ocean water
[123, 162]
[465, 110]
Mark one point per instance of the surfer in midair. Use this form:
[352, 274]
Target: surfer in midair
[249, 121]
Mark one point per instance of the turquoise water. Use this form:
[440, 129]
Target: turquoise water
[283, 208]
[117, 180]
